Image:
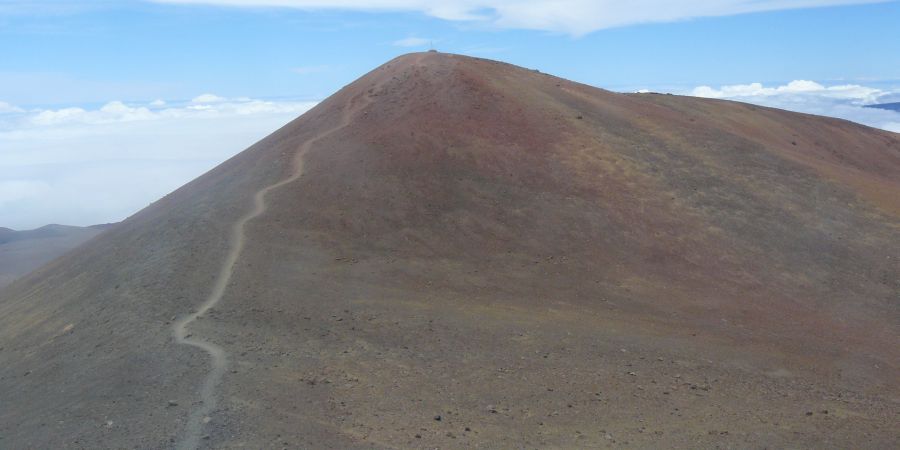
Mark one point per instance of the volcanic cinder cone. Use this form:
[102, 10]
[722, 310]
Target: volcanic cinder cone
[453, 252]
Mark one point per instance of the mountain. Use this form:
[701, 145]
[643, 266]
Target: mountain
[23, 251]
[460, 253]
[887, 106]
[6, 233]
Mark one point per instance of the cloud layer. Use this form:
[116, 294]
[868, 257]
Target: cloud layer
[84, 166]
[845, 101]
[6, 108]
[576, 17]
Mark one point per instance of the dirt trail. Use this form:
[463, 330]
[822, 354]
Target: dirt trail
[218, 356]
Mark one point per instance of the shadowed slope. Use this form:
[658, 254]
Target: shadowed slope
[533, 261]
[23, 251]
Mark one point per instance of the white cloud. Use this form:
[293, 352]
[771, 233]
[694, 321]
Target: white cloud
[412, 42]
[576, 17]
[109, 113]
[83, 166]
[852, 92]
[846, 101]
[6, 108]
[207, 98]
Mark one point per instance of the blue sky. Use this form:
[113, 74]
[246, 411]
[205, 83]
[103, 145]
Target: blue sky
[130, 50]
[81, 80]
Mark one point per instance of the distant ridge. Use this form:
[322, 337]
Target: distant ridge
[23, 251]
[887, 106]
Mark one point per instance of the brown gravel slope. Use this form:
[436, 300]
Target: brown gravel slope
[490, 257]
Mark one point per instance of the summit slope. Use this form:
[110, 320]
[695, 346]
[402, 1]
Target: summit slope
[454, 252]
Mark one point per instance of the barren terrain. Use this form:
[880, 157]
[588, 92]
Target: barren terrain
[458, 253]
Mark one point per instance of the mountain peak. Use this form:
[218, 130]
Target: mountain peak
[421, 247]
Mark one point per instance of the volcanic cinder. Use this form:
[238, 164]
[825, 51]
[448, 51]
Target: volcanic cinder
[459, 253]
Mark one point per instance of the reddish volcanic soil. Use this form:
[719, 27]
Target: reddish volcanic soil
[459, 253]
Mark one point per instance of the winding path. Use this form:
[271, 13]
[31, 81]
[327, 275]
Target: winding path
[192, 433]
